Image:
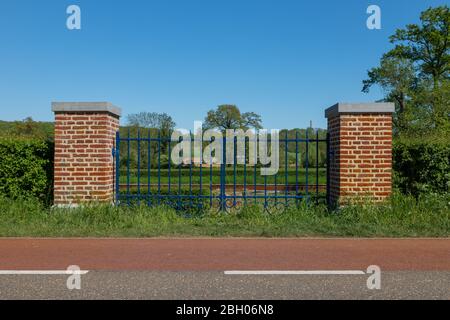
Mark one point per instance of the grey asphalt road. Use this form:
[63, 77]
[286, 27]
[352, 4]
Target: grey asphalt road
[217, 285]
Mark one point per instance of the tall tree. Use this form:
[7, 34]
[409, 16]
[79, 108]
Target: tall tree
[415, 74]
[427, 44]
[230, 117]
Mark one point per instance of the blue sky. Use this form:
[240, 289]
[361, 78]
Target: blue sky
[286, 60]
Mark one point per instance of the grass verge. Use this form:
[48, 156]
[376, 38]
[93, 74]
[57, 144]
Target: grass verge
[403, 216]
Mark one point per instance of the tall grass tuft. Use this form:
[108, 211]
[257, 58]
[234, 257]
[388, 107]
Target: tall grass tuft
[402, 216]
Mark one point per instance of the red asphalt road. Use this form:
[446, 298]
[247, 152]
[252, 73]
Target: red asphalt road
[225, 254]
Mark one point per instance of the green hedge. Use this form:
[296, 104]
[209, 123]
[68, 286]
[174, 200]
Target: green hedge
[26, 168]
[422, 166]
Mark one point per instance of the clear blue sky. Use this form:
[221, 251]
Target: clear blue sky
[286, 60]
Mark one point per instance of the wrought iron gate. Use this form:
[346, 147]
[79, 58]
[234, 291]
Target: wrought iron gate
[145, 174]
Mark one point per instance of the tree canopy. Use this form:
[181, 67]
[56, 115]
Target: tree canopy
[152, 120]
[415, 75]
[230, 117]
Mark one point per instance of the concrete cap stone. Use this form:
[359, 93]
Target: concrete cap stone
[349, 108]
[75, 107]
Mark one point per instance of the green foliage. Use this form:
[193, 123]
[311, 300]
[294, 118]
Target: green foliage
[415, 75]
[27, 128]
[427, 44]
[26, 168]
[422, 166]
[153, 120]
[230, 117]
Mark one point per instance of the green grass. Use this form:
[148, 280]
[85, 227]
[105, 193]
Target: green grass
[401, 217]
[280, 178]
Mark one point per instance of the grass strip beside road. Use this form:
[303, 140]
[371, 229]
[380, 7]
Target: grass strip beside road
[401, 217]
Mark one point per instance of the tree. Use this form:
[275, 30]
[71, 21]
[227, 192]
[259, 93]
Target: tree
[415, 74]
[397, 79]
[153, 120]
[230, 117]
[427, 44]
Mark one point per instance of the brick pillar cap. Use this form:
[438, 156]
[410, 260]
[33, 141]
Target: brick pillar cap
[359, 108]
[75, 107]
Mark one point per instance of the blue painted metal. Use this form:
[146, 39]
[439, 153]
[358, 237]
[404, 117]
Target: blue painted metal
[223, 177]
[179, 198]
[159, 167]
[317, 166]
[139, 166]
[328, 196]
[254, 170]
[307, 167]
[286, 176]
[296, 163]
[234, 170]
[201, 171]
[229, 187]
[128, 168]
[117, 157]
[245, 171]
[190, 175]
[149, 167]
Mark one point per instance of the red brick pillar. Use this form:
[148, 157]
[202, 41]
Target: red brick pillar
[84, 140]
[361, 152]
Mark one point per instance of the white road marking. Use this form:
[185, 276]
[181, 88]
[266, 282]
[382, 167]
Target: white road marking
[42, 272]
[299, 272]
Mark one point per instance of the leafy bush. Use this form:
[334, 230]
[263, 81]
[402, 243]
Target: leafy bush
[26, 168]
[422, 166]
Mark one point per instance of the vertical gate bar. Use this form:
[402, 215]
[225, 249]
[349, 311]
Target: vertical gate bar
[222, 175]
[128, 168]
[256, 161]
[117, 154]
[190, 175]
[276, 189]
[328, 196]
[210, 178]
[296, 166]
[307, 166]
[317, 166]
[286, 160]
[169, 172]
[201, 169]
[234, 169]
[265, 192]
[179, 198]
[139, 165]
[159, 166]
[245, 170]
[149, 168]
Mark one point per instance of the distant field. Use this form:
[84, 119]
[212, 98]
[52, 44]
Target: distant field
[183, 176]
